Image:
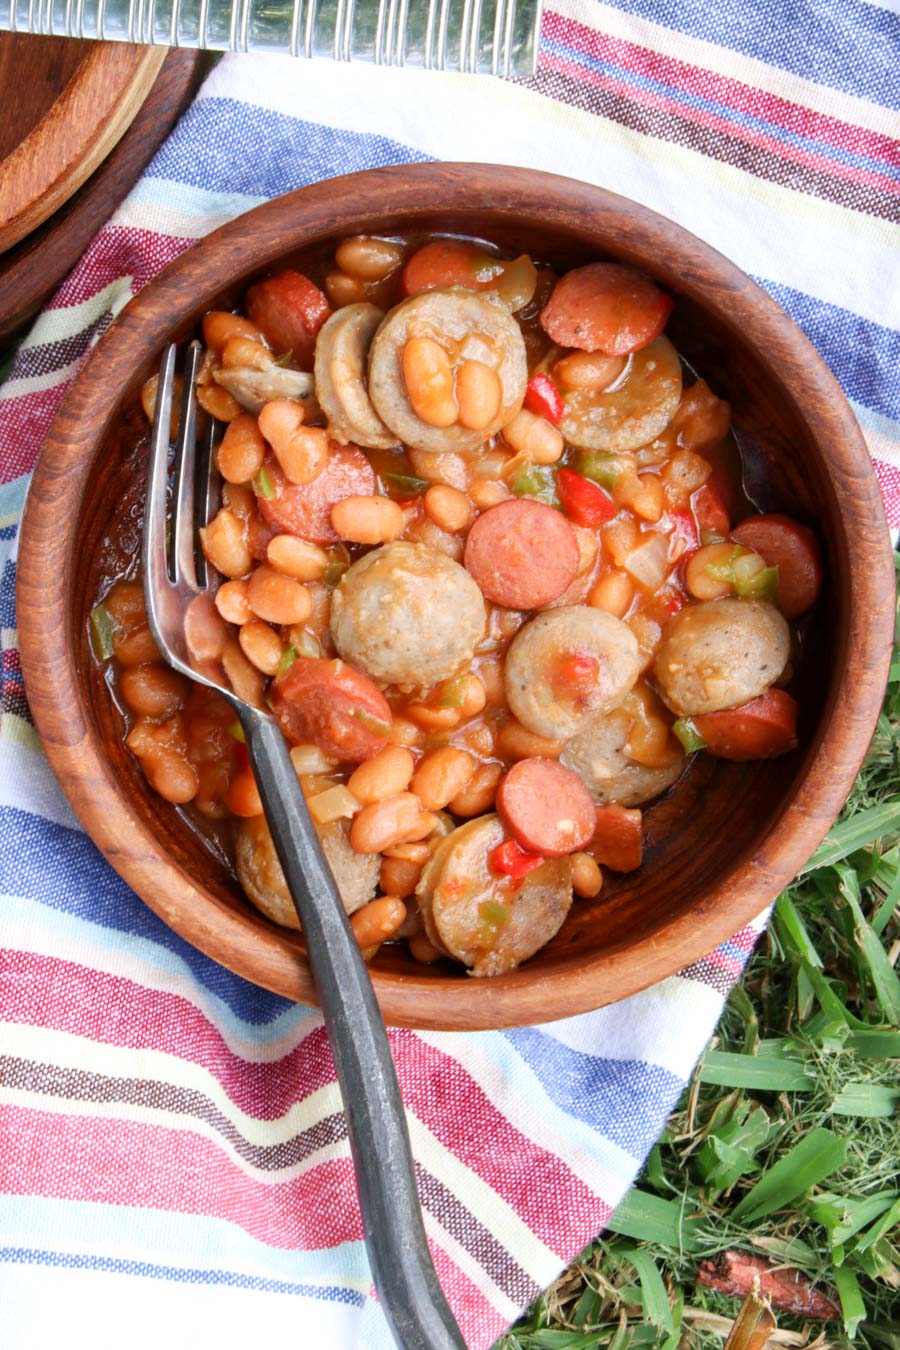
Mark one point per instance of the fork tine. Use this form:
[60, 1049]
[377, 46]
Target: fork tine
[205, 495]
[156, 570]
[181, 558]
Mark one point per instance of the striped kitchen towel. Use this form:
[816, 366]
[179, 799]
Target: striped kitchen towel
[173, 1162]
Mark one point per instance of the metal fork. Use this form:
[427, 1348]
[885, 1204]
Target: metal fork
[174, 574]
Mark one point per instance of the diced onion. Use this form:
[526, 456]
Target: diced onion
[649, 562]
[310, 759]
[517, 284]
[307, 644]
[336, 803]
[746, 567]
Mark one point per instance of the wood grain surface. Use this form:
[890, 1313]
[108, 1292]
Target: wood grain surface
[33, 268]
[38, 69]
[96, 102]
[725, 841]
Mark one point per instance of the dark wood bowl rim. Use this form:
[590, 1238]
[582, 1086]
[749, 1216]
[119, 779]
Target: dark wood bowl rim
[261, 237]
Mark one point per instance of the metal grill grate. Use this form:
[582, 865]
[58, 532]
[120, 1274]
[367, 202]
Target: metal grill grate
[495, 37]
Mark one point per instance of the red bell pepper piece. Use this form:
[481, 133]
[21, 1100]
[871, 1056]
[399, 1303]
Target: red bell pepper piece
[578, 670]
[683, 535]
[583, 501]
[670, 602]
[508, 859]
[544, 399]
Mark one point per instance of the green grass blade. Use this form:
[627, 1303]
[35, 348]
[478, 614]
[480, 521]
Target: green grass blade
[864, 828]
[878, 1230]
[555, 1340]
[852, 1306]
[654, 1297]
[857, 1213]
[649, 1218]
[817, 1155]
[766, 1072]
[889, 868]
[792, 930]
[874, 1044]
[880, 1334]
[865, 1099]
[729, 1151]
[619, 1340]
[884, 978]
[834, 1010]
[588, 1308]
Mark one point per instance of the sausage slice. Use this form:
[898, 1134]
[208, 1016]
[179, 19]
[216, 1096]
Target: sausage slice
[342, 353]
[491, 924]
[254, 388]
[636, 409]
[720, 654]
[407, 614]
[793, 549]
[290, 310]
[597, 755]
[304, 509]
[470, 326]
[605, 307]
[566, 666]
[546, 807]
[333, 706]
[260, 874]
[761, 729]
[523, 554]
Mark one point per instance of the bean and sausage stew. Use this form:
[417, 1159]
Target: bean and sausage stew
[478, 553]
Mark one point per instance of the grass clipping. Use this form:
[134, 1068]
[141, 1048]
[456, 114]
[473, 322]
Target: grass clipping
[782, 1157]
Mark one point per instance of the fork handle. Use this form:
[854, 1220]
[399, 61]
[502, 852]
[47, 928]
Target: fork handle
[413, 1301]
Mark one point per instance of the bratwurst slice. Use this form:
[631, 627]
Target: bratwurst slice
[342, 352]
[566, 666]
[487, 922]
[260, 874]
[253, 389]
[720, 654]
[635, 409]
[407, 615]
[469, 327]
[597, 755]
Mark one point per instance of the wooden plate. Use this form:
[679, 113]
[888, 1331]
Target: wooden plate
[32, 269]
[74, 102]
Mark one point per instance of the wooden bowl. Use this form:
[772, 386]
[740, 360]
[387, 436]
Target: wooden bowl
[725, 841]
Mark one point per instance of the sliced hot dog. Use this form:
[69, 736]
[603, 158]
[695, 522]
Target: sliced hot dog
[290, 310]
[618, 840]
[793, 549]
[449, 262]
[523, 554]
[546, 807]
[605, 307]
[305, 509]
[761, 729]
[333, 706]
